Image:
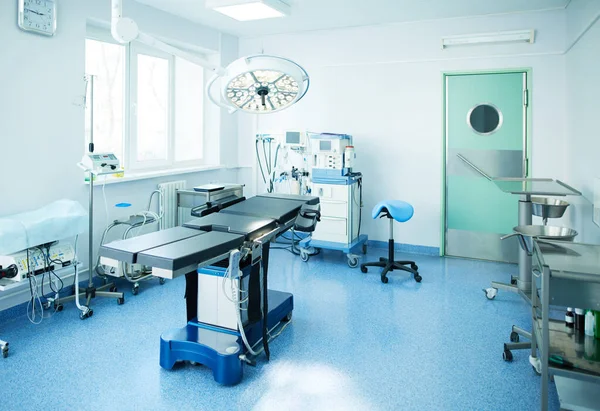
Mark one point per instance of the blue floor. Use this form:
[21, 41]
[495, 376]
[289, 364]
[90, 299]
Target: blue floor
[354, 344]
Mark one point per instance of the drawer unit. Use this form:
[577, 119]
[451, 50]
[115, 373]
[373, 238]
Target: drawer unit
[332, 229]
[334, 209]
[332, 192]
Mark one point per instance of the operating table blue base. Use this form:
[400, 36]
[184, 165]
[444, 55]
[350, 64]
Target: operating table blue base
[220, 348]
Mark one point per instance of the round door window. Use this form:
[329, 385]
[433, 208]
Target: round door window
[484, 119]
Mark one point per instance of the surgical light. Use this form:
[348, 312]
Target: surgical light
[246, 10]
[261, 84]
[258, 84]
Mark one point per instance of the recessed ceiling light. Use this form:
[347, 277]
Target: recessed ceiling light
[246, 10]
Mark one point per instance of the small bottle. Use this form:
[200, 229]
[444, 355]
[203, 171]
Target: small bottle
[597, 313]
[590, 323]
[579, 319]
[569, 318]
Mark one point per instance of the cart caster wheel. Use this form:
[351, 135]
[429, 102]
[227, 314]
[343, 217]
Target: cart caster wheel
[507, 356]
[363, 269]
[121, 301]
[5, 354]
[135, 290]
[414, 267]
[418, 278]
[304, 256]
[513, 281]
[59, 307]
[287, 318]
[490, 293]
[353, 262]
[161, 281]
[113, 289]
[535, 370]
[514, 337]
[364, 249]
[86, 314]
[384, 280]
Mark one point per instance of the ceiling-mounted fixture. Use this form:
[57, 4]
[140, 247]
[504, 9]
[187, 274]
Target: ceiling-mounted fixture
[258, 84]
[518, 36]
[245, 10]
[261, 84]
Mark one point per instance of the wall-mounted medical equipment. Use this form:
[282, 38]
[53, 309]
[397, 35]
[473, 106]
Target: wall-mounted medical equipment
[39, 260]
[328, 159]
[258, 84]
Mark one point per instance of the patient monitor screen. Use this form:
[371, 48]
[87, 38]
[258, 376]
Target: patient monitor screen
[325, 145]
[292, 137]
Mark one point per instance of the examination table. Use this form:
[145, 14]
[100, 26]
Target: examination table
[227, 249]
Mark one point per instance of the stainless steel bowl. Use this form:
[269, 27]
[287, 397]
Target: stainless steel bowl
[546, 232]
[548, 207]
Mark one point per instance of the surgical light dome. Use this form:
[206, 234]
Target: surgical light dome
[258, 84]
[261, 84]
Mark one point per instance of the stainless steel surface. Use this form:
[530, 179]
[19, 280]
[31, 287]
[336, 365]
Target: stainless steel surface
[577, 395]
[535, 186]
[496, 163]
[474, 167]
[188, 199]
[564, 258]
[525, 124]
[546, 232]
[525, 218]
[548, 207]
[486, 246]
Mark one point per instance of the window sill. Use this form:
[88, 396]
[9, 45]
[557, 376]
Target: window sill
[144, 175]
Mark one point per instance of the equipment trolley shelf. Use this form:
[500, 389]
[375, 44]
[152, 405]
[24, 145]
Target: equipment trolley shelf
[565, 275]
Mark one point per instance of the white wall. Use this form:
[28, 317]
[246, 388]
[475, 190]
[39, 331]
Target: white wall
[383, 85]
[583, 108]
[42, 130]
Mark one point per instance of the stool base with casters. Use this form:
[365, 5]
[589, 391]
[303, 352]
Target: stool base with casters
[400, 211]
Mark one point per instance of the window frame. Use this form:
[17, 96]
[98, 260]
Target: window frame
[130, 137]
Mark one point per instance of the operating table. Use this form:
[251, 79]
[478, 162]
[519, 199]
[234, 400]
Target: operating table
[224, 256]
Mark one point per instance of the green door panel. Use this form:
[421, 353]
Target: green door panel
[479, 194]
[477, 212]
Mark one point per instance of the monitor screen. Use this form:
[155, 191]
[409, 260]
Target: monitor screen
[325, 145]
[292, 137]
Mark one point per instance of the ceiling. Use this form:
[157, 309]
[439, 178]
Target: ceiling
[328, 14]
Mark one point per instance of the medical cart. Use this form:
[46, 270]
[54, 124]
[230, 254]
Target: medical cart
[339, 228]
[565, 274]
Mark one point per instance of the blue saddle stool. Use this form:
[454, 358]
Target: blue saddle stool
[402, 212]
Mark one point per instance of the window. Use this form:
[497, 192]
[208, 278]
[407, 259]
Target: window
[484, 119]
[148, 106]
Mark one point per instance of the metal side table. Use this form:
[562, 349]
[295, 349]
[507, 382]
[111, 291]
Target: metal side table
[565, 274]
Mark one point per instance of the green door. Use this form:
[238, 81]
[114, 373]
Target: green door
[486, 124]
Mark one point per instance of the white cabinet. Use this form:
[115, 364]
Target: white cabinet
[340, 208]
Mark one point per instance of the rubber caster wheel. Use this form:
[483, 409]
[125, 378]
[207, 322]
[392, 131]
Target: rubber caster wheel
[135, 290]
[364, 269]
[304, 256]
[161, 281]
[414, 267]
[490, 293]
[507, 356]
[113, 289]
[514, 337]
[384, 280]
[353, 262]
[418, 278]
[364, 249]
[288, 317]
[5, 354]
[59, 307]
[86, 314]
[513, 281]
[121, 301]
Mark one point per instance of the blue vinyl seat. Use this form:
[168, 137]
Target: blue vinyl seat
[400, 211]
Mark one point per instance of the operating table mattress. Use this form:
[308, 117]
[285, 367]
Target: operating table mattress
[190, 251]
[128, 250]
[249, 227]
[282, 210]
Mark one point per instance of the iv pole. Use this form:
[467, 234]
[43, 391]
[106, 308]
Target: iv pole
[91, 291]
